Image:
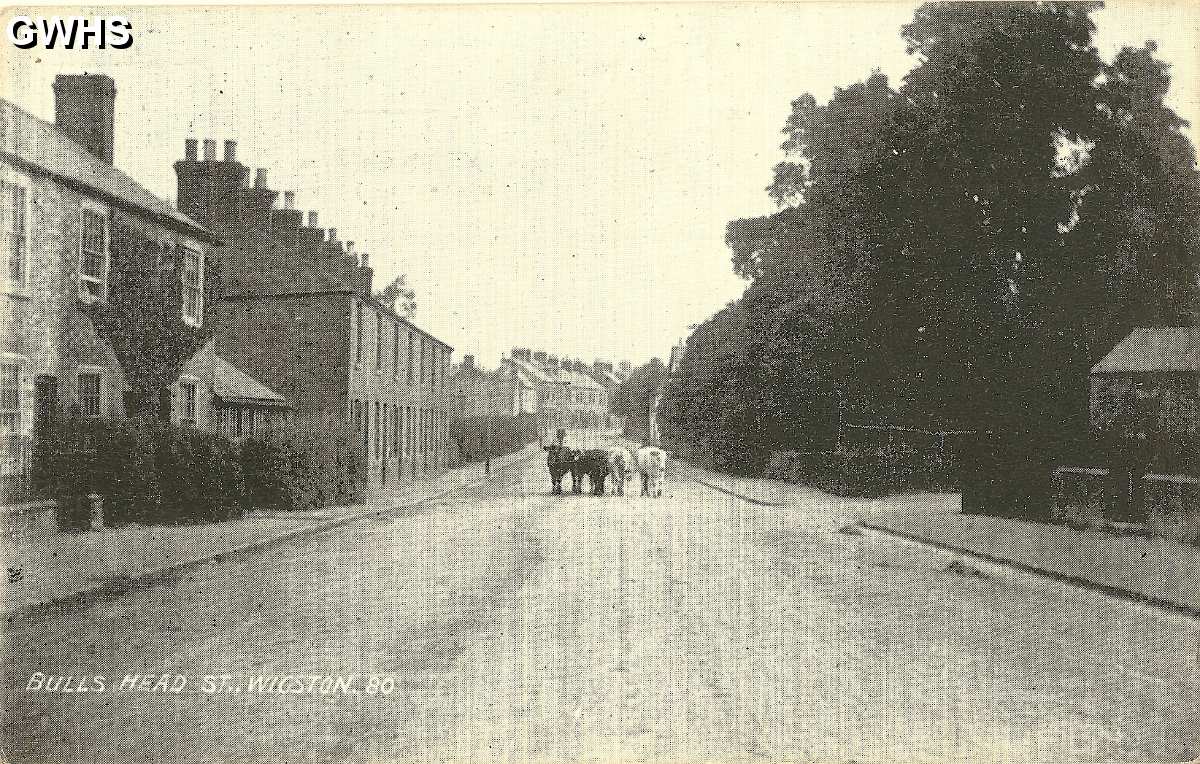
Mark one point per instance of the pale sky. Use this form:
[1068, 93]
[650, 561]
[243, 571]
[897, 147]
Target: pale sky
[544, 176]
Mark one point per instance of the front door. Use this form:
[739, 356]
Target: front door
[45, 411]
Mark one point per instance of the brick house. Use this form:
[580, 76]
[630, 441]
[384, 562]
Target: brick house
[292, 306]
[86, 247]
[1151, 379]
[478, 392]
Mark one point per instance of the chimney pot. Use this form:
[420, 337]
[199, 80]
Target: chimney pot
[189, 149]
[333, 234]
[210, 150]
[349, 248]
[312, 219]
[364, 260]
[230, 151]
[468, 361]
[289, 199]
[260, 178]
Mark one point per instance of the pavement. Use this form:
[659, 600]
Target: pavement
[499, 623]
[47, 570]
[1154, 571]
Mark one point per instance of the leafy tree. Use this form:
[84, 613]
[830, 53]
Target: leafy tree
[633, 398]
[399, 297]
[959, 251]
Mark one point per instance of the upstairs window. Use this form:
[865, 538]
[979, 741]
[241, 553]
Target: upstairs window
[14, 199]
[93, 255]
[192, 277]
[378, 341]
[395, 350]
[410, 357]
[358, 332]
[91, 396]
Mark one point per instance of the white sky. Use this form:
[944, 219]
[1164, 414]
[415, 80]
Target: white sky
[544, 177]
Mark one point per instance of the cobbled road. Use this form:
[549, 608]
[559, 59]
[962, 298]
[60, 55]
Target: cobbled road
[504, 624]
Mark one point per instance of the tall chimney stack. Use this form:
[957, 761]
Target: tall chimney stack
[289, 199]
[260, 177]
[85, 109]
[189, 150]
[230, 151]
[210, 150]
[312, 219]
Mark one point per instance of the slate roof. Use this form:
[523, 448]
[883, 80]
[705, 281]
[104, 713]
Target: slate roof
[231, 383]
[545, 374]
[1156, 349]
[41, 146]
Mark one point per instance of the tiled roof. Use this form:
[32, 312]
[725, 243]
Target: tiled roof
[42, 146]
[1162, 348]
[231, 383]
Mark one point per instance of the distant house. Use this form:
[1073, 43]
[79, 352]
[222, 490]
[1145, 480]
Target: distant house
[567, 395]
[1150, 379]
[213, 395]
[482, 392]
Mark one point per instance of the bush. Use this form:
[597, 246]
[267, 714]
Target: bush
[309, 465]
[480, 438]
[152, 473]
[866, 472]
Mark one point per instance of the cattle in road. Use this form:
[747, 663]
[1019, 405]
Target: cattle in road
[652, 466]
[559, 460]
[620, 466]
[592, 462]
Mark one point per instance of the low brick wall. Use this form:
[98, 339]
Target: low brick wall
[1087, 497]
[1173, 507]
[1080, 495]
[38, 518]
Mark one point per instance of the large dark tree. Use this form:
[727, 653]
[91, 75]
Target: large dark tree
[958, 252]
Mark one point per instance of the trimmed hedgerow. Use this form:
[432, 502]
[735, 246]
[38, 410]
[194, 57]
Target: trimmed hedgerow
[480, 438]
[153, 473]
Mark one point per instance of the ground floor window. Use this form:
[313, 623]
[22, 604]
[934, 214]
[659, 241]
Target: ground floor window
[91, 396]
[10, 417]
[188, 403]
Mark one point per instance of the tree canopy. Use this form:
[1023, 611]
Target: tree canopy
[955, 252]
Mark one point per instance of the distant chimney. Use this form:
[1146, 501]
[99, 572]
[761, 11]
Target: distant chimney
[260, 177]
[312, 219]
[289, 199]
[349, 248]
[84, 110]
[468, 362]
[364, 260]
[210, 150]
[230, 151]
[189, 149]
[333, 234]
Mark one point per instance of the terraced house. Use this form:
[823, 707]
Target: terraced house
[293, 307]
[103, 282]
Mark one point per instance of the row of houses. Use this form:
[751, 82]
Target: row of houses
[229, 312]
[560, 392]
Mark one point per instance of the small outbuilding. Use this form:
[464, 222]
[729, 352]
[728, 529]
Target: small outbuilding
[214, 395]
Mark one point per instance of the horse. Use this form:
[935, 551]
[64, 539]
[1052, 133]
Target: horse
[559, 461]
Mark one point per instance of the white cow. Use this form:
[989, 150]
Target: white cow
[652, 464]
[620, 467]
